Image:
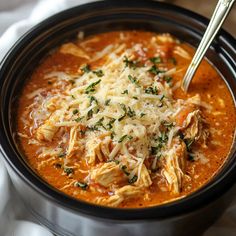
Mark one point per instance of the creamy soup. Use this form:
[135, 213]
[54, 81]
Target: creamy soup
[104, 119]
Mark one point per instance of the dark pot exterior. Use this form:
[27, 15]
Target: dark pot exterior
[65, 215]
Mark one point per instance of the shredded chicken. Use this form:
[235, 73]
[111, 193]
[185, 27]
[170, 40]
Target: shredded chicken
[74, 144]
[46, 131]
[97, 149]
[108, 174]
[144, 179]
[71, 48]
[174, 165]
[120, 195]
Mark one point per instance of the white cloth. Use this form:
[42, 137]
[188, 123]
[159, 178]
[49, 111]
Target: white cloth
[16, 17]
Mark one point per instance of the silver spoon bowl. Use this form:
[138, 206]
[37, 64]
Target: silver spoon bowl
[221, 11]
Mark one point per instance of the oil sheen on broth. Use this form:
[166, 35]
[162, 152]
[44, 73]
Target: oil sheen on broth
[103, 119]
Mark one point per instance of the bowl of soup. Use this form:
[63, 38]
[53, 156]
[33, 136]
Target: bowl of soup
[98, 135]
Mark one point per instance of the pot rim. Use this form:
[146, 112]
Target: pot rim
[208, 193]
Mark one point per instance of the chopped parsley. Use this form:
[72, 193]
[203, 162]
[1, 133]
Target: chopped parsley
[155, 60]
[125, 112]
[92, 99]
[133, 79]
[163, 138]
[83, 186]
[133, 180]
[162, 97]
[98, 73]
[68, 170]
[75, 111]
[151, 90]
[124, 137]
[125, 92]
[142, 114]
[134, 97]
[129, 63]
[90, 114]
[107, 102]
[61, 155]
[130, 112]
[168, 79]
[97, 125]
[155, 149]
[154, 70]
[86, 69]
[113, 134]
[79, 119]
[168, 125]
[91, 87]
[110, 124]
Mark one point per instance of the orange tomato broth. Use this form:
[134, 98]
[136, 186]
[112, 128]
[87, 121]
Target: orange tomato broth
[207, 82]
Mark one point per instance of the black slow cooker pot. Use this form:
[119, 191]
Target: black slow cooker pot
[67, 216]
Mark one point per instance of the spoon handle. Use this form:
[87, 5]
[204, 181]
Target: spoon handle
[221, 11]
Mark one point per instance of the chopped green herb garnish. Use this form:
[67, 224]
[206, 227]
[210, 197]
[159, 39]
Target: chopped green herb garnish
[142, 114]
[155, 149]
[168, 79]
[98, 73]
[68, 170]
[62, 155]
[82, 132]
[86, 69]
[92, 99]
[125, 112]
[163, 137]
[130, 113]
[113, 134]
[97, 124]
[134, 97]
[125, 92]
[154, 70]
[129, 63]
[167, 124]
[110, 124]
[133, 180]
[75, 111]
[90, 114]
[133, 79]
[91, 88]
[96, 110]
[107, 102]
[73, 96]
[125, 137]
[124, 169]
[155, 60]
[79, 119]
[151, 90]
[84, 186]
[162, 97]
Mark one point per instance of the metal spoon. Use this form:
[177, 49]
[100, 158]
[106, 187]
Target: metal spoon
[221, 11]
